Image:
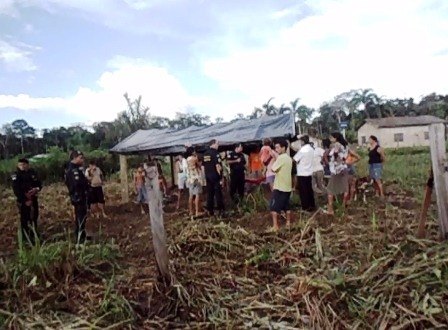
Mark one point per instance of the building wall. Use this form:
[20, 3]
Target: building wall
[413, 136]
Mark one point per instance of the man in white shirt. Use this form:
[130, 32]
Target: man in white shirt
[304, 159]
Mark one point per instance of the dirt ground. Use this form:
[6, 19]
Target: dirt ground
[130, 230]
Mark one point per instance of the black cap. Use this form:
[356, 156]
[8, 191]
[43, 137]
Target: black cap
[23, 160]
[75, 153]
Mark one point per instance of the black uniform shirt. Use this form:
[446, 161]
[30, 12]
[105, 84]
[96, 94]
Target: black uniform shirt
[77, 184]
[237, 167]
[210, 160]
[23, 182]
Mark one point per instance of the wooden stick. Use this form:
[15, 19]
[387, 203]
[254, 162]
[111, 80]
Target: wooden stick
[124, 179]
[439, 167]
[156, 218]
[421, 232]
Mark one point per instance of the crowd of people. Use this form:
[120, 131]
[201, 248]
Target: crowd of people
[85, 189]
[309, 166]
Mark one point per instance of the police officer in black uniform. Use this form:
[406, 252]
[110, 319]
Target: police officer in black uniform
[237, 164]
[213, 175]
[26, 185]
[78, 186]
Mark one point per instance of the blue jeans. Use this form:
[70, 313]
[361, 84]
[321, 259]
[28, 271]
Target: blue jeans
[142, 195]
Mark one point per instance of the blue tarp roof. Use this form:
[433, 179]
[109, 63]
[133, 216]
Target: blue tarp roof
[171, 141]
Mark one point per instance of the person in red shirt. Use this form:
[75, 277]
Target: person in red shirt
[255, 164]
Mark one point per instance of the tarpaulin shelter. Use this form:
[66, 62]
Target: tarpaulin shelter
[170, 141]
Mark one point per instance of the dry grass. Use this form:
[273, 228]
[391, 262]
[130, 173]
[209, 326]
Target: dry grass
[363, 269]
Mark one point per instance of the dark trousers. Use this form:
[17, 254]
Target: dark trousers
[214, 191]
[306, 193]
[28, 220]
[237, 185]
[80, 221]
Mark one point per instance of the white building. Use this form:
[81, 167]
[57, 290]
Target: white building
[394, 132]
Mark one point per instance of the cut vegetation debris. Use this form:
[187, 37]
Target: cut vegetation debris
[363, 269]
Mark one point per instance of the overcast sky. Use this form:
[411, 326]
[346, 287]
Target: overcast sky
[67, 61]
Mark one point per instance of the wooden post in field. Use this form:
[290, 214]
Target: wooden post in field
[421, 232]
[124, 179]
[156, 219]
[440, 170]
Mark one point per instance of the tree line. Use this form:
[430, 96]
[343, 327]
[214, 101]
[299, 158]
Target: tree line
[352, 107]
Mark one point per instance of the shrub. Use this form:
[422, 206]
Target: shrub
[50, 167]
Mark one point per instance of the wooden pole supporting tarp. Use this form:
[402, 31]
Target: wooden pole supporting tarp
[156, 219]
[440, 170]
[124, 179]
[173, 181]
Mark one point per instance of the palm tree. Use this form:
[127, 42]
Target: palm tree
[283, 109]
[266, 109]
[369, 101]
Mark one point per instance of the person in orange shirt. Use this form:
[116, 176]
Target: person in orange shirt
[255, 164]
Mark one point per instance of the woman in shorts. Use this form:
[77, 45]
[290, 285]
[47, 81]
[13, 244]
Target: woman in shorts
[194, 184]
[96, 195]
[376, 160]
[140, 189]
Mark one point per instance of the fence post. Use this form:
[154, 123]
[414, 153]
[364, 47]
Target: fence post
[124, 179]
[440, 170]
[156, 219]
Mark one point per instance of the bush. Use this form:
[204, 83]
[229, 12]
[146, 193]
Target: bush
[50, 167]
[408, 151]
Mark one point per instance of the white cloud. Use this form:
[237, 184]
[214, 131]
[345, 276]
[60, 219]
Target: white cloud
[7, 8]
[142, 4]
[17, 56]
[160, 90]
[26, 102]
[389, 46]
[29, 28]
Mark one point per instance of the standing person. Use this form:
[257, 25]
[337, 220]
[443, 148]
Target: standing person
[181, 177]
[78, 186]
[297, 144]
[26, 185]
[338, 183]
[376, 160]
[96, 195]
[162, 179]
[268, 157]
[140, 188]
[255, 164]
[326, 144]
[318, 170]
[225, 177]
[314, 140]
[304, 159]
[352, 159]
[237, 164]
[213, 174]
[282, 185]
[194, 183]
